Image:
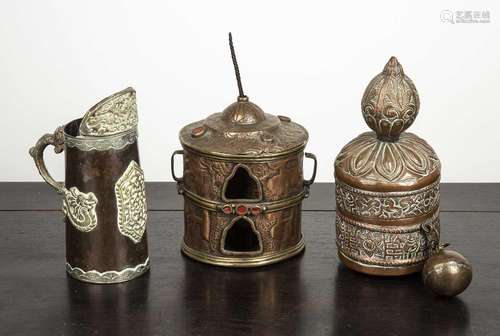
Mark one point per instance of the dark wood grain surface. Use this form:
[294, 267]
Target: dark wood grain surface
[311, 294]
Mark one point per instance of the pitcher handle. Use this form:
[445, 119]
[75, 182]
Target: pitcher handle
[307, 183]
[57, 140]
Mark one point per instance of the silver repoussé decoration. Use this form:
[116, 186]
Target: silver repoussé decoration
[94, 276]
[131, 202]
[80, 207]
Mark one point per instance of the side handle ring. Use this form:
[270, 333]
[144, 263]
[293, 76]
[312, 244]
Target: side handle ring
[307, 183]
[172, 164]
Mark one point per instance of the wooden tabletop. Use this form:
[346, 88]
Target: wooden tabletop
[312, 294]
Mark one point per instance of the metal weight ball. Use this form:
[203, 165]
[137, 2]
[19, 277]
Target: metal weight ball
[447, 273]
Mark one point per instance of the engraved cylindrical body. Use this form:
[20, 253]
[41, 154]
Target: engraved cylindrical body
[387, 184]
[243, 187]
[119, 239]
[273, 216]
[380, 229]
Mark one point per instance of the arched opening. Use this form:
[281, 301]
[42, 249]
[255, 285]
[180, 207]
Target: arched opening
[242, 185]
[241, 237]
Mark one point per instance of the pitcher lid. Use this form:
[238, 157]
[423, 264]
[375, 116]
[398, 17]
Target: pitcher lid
[112, 115]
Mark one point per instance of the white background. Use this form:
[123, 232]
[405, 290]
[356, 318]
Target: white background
[308, 60]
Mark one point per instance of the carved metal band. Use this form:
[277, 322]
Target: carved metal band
[80, 208]
[107, 277]
[243, 158]
[384, 245]
[264, 206]
[130, 195]
[115, 142]
[387, 205]
[248, 261]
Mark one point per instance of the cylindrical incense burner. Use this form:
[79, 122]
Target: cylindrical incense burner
[243, 186]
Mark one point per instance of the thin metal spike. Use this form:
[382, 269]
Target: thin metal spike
[236, 68]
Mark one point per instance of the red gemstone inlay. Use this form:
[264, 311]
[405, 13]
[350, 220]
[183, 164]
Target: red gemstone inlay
[241, 210]
[227, 209]
[198, 131]
[255, 211]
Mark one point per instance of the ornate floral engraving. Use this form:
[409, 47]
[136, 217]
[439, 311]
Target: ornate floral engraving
[94, 276]
[262, 143]
[115, 142]
[386, 205]
[131, 202]
[80, 207]
[114, 114]
[205, 177]
[383, 245]
[405, 161]
[280, 179]
[278, 230]
[390, 102]
[266, 136]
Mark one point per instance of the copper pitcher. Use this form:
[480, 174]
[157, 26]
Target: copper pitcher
[104, 200]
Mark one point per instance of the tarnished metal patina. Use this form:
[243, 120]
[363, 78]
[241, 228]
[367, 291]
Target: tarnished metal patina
[104, 199]
[243, 185]
[387, 184]
[447, 273]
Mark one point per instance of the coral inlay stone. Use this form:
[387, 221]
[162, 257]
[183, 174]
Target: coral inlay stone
[241, 210]
[227, 209]
[198, 131]
[255, 211]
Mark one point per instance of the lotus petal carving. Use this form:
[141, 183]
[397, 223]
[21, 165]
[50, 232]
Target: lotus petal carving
[408, 159]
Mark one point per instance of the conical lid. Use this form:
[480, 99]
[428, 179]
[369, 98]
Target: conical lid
[112, 115]
[244, 130]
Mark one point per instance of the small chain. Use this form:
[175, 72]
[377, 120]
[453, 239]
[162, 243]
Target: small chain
[432, 236]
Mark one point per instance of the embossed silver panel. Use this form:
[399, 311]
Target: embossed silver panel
[80, 208]
[131, 202]
[114, 114]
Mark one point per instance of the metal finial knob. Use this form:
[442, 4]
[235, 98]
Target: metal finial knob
[390, 103]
